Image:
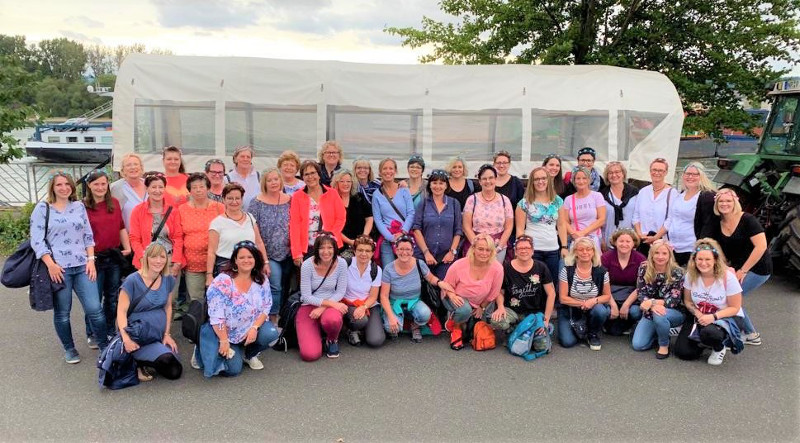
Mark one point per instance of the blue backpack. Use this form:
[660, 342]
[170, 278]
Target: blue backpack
[524, 341]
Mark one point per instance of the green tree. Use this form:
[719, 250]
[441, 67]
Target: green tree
[61, 58]
[716, 52]
[15, 82]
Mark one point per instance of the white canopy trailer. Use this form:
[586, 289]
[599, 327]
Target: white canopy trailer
[210, 105]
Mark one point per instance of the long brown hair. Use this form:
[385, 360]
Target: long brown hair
[88, 199]
[530, 190]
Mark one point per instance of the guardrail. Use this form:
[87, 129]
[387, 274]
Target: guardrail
[21, 183]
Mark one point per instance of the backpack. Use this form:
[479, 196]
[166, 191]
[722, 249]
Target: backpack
[524, 341]
[196, 315]
[373, 268]
[482, 337]
[288, 337]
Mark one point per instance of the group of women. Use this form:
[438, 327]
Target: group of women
[366, 250]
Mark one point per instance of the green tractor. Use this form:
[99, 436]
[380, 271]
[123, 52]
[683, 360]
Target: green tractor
[768, 181]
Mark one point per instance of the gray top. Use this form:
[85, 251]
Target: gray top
[332, 289]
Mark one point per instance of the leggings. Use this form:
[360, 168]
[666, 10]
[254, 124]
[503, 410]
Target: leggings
[309, 338]
[167, 366]
[713, 336]
[371, 324]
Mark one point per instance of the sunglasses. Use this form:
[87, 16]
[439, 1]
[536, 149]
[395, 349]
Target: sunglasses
[244, 244]
[438, 174]
[60, 174]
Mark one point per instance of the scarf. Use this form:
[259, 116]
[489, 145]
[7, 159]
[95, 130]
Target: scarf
[595, 182]
[628, 192]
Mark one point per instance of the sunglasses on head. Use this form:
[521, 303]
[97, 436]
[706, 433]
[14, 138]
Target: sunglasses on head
[243, 244]
[438, 174]
[60, 174]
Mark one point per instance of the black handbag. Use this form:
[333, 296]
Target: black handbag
[19, 267]
[429, 294]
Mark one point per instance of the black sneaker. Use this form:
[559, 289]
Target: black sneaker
[594, 342]
[353, 338]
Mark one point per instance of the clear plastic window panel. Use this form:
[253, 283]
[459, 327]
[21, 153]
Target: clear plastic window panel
[271, 129]
[633, 127]
[477, 135]
[565, 132]
[375, 133]
[187, 125]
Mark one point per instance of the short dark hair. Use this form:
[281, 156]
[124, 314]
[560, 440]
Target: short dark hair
[150, 177]
[437, 177]
[197, 176]
[484, 168]
[325, 237]
[232, 187]
[305, 165]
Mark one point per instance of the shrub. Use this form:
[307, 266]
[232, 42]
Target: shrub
[14, 228]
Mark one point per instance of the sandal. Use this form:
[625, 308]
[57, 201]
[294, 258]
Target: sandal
[456, 342]
[144, 374]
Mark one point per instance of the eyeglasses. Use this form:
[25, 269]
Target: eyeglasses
[586, 160]
[502, 163]
[215, 172]
[214, 161]
[331, 152]
[414, 166]
[540, 180]
[691, 174]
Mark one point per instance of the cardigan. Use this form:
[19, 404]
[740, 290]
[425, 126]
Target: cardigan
[331, 210]
[142, 231]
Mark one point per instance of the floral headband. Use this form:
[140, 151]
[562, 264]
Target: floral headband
[706, 247]
[726, 191]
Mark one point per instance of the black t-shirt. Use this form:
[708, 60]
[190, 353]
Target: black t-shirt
[524, 292]
[738, 247]
[357, 211]
[462, 195]
[513, 189]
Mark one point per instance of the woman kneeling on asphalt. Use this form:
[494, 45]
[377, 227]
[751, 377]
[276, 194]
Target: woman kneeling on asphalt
[584, 291]
[475, 282]
[527, 288]
[401, 288]
[361, 298]
[145, 297]
[713, 296]
[238, 308]
[323, 282]
[659, 289]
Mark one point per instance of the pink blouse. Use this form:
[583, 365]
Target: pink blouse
[477, 292]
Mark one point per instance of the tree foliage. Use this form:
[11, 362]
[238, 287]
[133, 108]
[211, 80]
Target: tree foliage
[15, 84]
[716, 52]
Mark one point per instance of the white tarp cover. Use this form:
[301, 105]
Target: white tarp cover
[628, 115]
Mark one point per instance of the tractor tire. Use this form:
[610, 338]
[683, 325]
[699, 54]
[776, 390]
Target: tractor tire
[789, 238]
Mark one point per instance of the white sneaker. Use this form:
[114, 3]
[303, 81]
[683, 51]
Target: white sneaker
[194, 363]
[254, 363]
[753, 338]
[716, 358]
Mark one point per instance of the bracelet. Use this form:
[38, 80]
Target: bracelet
[715, 316]
[92, 258]
[425, 251]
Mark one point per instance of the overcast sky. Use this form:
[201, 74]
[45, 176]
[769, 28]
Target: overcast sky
[347, 30]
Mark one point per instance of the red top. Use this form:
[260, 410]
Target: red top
[176, 187]
[103, 224]
[142, 231]
[331, 210]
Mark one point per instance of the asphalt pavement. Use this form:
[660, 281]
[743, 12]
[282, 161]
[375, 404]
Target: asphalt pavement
[413, 392]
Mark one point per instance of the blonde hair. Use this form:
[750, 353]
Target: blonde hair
[153, 249]
[127, 157]
[363, 161]
[650, 272]
[335, 144]
[452, 162]
[383, 162]
[612, 164]
[338, 176]
[289, 156]
[569, 260]
[705, 183]
[530, 190]
[711, 245]
[737, 206]
[265, 175]
[489, 242]
[662, 161]
[51, 187]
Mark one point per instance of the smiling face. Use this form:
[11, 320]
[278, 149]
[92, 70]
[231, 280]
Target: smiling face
[581, 181]
[624, 244]
[325, 252]
[405, 252]
[61, 187]
[457, 170]
[691, 178]
[658, 172]
[414, 171]
[99, 187]
[704, 261]
[155, 191]
[661, 255]
[483, 252]
[540, 181]
[215, 174]
[584, 252]
[172, 162]
[615, 175]
[311, 177]
[244, 159]
[132, 168]
[331, 156]
[586, 160]
[289, 169]
[438, 187]
[273, 182]
[502, 164]
[388, 171]
[523, 250]
[362, 171]
[199, 191]
[553, 167]
[488, 180]
[725, 203]
[245, 261]
[363, 254]
[233, 200]
[157, 262]
[345, 184]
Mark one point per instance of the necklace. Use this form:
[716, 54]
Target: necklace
[237, 221]
[656, 191]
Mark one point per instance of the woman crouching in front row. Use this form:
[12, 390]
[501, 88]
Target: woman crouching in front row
[238, 309]
[713, 297]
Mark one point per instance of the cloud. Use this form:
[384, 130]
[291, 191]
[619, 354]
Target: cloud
[81, 38]
[209, 14]
[85, 21]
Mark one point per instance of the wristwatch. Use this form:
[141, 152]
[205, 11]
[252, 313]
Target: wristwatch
[454, 251]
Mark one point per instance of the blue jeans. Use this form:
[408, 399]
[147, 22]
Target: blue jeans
[460, 314]
[278, 276]
[596, 317]
[214, 364]
[420, 313]
[108, 282]
[76, 278]
[750, 283]
[655, 330]
[552, 259]
[387, 254]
